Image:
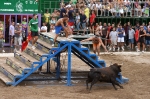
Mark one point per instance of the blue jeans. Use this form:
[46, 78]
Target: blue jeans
[147, 42]
[78, 26]
[84, 25]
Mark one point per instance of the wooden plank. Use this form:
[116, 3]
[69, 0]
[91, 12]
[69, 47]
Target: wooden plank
[10, 69]
[4, 78]
[44, 44]
[82, 36]
[28, 57]
[37, 51]
[18, 63]
[52, 35]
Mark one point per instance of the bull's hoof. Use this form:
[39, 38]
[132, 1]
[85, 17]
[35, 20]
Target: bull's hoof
[89, 91]
[121, 87]
[116, 89]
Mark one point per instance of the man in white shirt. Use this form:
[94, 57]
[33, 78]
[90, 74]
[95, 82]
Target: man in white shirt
[113, 37]
[131, 38]
[11, 33]
[99, 8]
[43, 28]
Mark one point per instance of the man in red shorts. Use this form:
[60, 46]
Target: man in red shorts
[71, 16]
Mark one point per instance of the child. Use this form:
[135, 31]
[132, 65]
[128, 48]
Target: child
[113, 38]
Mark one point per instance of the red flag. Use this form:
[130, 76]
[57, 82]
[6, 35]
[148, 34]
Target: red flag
[25, 43]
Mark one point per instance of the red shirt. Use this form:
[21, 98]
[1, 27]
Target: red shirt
[109, 28]
[136, 35]
[92, 18]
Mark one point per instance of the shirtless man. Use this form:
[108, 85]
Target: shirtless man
[97, 42]
[62, 24]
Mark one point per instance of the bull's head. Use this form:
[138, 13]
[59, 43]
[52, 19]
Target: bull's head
[116, 67]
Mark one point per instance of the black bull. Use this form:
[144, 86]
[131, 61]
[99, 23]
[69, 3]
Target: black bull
[107, 74]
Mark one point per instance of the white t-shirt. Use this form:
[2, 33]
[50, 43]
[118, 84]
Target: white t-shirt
[52, 21]
[113, 35]
[131, 33]
[77, 18]
[12, 28]
[98, 6]
[91, 6]
[100, 27]
[44, 28]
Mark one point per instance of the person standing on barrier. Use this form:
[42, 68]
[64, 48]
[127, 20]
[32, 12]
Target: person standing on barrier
[33, 27]
[141, 40]
[62, 24]
[97, 42]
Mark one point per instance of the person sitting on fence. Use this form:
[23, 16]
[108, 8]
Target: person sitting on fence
[97, 42]
[43, 28]
[62, 24]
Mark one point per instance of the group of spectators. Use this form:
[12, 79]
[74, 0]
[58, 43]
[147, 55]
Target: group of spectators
[116, 36]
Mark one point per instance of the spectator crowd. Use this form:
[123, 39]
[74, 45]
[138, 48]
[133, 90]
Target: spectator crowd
[82, 15]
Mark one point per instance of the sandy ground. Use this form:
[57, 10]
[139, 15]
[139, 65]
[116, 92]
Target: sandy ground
[135, 67]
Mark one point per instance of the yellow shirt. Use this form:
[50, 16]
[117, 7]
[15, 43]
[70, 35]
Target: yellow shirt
[87, 12]
[47, 17]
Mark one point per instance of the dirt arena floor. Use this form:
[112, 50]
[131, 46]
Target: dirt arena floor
[136, 67]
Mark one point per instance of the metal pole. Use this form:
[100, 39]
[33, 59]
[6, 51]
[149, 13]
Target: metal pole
[69, 65]
[48, 66]
[58, 66]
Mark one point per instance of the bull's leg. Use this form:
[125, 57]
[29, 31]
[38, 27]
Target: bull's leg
[114, 86]
[87, 81]
[116, 83]
[93, 82]
[113, 83]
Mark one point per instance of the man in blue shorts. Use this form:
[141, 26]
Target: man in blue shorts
[62, 25]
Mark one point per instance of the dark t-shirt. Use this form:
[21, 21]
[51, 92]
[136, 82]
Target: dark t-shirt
[17, 29]
[82, 18]
[70, 14]
[147, 37]
[61, 12]
[104, 30]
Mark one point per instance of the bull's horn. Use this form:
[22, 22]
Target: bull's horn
[111, 63]
[121, 64]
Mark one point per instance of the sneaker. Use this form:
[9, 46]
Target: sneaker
[33, 47]
[138, 50]
[122, 48]
[110, 49]
[52, 45]
[69, 39]
[15, 50]
[142, 51]
[41, 73]
[70, 36]
[3, 51]
[114, 49]
[118, 48]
